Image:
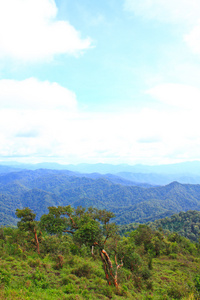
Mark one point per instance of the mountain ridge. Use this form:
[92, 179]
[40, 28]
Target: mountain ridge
[185, 172]
[42, 188]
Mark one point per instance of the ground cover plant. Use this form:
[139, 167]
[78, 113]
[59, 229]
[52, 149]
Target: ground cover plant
[78, 254]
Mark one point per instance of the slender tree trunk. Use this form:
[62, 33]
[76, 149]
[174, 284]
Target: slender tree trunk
[92, 251]
[105, 266]
[108, 268]
[37, 242]
[116, 272]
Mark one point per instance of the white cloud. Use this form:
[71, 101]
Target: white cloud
[179, 95]
[36, 124]
[34, 94]
[166, 10]
[29, 31]
[193, 39]
[32, 116]
[78, 137]
[185, 13]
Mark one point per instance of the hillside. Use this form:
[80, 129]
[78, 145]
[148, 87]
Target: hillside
[146, 264]
[186, 224]
[42, 188]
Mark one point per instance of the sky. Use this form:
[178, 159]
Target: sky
[85, 81]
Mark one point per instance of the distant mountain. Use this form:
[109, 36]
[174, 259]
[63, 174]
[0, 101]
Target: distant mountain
[185, 168]
[42, 188]
[192, 167]
[114, 179]
[8, 169]
[159, 179]
[186, 172]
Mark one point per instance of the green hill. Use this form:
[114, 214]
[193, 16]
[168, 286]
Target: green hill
[186, 224]
[42, 188]
[38, 261]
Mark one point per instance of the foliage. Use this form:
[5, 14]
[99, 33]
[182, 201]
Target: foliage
[89, 227]
[28, 223]
[156, 265]
[186, 224]
[61, 188]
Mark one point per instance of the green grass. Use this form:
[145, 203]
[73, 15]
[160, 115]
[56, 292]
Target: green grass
[83, 278]
[61, 273]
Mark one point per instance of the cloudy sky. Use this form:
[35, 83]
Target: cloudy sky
[100, 81]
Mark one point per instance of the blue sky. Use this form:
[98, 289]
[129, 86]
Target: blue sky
[100, 81]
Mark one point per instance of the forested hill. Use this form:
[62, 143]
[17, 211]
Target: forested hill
[42, 188]
[186, 224]
[83, 257]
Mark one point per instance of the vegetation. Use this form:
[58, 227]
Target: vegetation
[43, 188]
[186, 224]
[82, 256]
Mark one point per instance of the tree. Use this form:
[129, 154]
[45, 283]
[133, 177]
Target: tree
[28, 223]
[91, 227]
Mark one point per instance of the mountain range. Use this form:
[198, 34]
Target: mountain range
[186, 172]
[130, 201]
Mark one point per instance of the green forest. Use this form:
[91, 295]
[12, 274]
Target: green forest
[41, 188]
[186, 224]
[79, 253]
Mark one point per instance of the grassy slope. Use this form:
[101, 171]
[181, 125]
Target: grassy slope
[81, 278]
[26, 275]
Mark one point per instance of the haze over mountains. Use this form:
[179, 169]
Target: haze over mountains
[186, 172]
[133, 197]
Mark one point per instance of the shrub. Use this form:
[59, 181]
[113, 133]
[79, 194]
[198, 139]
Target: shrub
[145, 272]
[84, 270]
[55, 245]
[132, 261]
[70, 289]
[33, 263]
[60, 262]
[5, 277]
[40, 279]
[197, 283]
[177, 291]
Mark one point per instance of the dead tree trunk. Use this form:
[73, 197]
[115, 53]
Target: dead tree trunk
[36, 240]
[111, 276]
[116, 272]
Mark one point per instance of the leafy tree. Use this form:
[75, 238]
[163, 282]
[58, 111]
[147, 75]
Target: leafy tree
[131, 259]
[28, 223]
[91, 227]
[143, 235]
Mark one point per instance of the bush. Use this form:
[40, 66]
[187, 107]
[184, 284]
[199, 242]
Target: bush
[177, 291]
[146, 273]
[197, 283]
[132, 261]
[68, 279]
[5, 277]
[40, 279]
[33, 263]
[59, 262]
[83, 271]
[55, 245]
[70, 289]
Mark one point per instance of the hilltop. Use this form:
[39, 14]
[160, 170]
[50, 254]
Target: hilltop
[41, 188]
